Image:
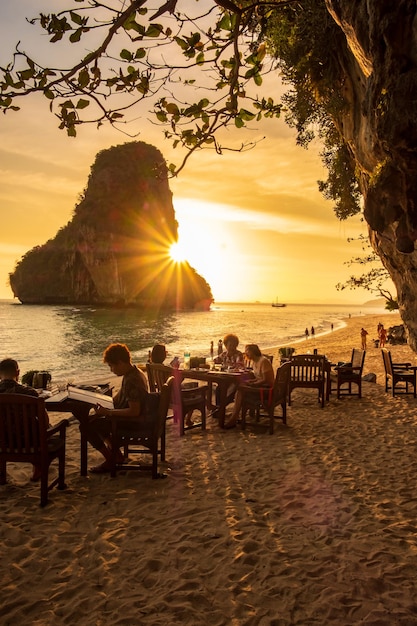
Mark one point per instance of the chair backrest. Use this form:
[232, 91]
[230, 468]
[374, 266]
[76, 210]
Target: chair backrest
[282, 378]
[165, 399]
[307, 368]
[386, 355]
[23, 424]
[158, 374]
[358, 358]
[157, 405]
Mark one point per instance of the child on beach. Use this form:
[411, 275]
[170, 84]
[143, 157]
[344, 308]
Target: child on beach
[364, 334]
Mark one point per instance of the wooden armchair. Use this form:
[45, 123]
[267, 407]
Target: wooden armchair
[347, 374]
[144, 434]
[400, 378]
[26, 438]
[309, 372]
[184, 400]
[255, 399]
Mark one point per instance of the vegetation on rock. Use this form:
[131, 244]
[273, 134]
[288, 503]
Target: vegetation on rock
[115, 250]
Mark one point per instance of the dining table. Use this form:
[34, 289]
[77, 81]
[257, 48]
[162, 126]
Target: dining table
[61, 403]
[223, 379]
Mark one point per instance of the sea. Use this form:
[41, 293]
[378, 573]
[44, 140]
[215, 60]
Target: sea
[69, 341]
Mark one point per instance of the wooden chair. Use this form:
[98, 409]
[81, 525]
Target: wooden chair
[184, 399]
[309, 372]
[255, 399]
[26, 438]
[347, 374]
[399, 377]
[142, 435]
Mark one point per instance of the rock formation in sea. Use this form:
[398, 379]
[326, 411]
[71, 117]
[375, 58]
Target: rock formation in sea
[115, 250]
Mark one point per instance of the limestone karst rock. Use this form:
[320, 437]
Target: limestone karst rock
[115, 250]
[378, 65]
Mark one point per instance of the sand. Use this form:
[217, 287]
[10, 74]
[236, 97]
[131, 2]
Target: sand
[316, 524]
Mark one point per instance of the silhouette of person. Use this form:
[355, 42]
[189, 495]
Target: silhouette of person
[382, 336]
[364, 334]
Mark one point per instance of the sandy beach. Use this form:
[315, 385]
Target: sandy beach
[314, 525]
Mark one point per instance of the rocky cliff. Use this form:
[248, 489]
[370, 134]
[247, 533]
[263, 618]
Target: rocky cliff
[378, 62]
[115, 250]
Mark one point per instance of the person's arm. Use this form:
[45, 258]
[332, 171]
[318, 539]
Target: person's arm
[265, 377]
[239, 358]
[133, 410]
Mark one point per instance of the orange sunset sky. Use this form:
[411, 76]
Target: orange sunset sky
[253, 224]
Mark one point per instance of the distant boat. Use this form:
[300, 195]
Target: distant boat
[277, 304]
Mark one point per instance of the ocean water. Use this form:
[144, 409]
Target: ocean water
[69, 341]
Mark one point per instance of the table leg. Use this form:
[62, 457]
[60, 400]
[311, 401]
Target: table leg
[81, 415]
[223, 386]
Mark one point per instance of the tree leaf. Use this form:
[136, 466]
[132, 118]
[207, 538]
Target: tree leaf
[76, 36]
[77, 19]
[126, 55]
[154, 30]
[82, 103]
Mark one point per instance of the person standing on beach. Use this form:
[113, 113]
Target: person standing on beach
[364, 334]
[312, 331]
[9, 383]
[130, 401]
[307, 334]
[382, 336]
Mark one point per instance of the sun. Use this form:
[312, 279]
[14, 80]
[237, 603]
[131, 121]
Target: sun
[177, 253]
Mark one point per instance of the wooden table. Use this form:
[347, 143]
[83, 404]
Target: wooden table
[60, 403]
[222, 379]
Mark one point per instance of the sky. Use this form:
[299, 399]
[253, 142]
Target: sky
[252, 223]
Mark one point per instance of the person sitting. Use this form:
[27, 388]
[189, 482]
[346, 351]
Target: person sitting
[129, 401]
[263, 376]
[232, 358]
[158, 353]
[9, 383]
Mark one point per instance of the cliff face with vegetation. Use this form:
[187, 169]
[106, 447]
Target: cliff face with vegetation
[115, 250]
[378, 63]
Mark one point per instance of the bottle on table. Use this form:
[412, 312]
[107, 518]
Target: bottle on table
[219, 347]
[187, 358]
[211, 350]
